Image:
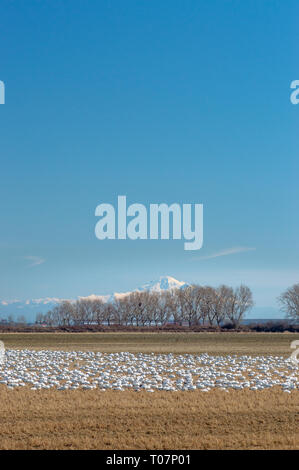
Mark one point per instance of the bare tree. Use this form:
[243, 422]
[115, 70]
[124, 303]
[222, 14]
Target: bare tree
[227, 305]
[83, 311]
[66, 313]
[49, 318]
[162, 307]
[206, 305]
[203, 298]
[21, 320]
[173, 305]
[188, 303]
[10, 320]
[108, 313]
[122, 311]
[138, 303]
[218, 305]
[40, 318]
[98, 311]
[289, 302]
[54, 316]
[241, 302]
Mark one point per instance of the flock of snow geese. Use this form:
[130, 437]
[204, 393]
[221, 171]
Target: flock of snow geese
[62, 370]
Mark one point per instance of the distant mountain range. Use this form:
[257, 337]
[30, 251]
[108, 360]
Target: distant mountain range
[29, 308]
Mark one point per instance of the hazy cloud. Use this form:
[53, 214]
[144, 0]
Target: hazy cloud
[228, 251]
[34, 260]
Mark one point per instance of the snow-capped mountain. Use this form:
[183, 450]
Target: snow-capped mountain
[164, 283]
[29, 308]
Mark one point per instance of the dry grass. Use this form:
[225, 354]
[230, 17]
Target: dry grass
[193, 343]
[162, 420]
[91, 419]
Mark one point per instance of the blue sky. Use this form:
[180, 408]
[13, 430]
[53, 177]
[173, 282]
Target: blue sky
[163, 101]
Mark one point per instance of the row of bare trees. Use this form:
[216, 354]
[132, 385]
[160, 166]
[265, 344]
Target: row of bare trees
[195, 305]
[289, 302]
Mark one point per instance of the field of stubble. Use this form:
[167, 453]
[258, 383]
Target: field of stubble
[91, 419]
[176, 343]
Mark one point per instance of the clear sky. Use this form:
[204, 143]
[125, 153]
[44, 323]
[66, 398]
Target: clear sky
[162, 101]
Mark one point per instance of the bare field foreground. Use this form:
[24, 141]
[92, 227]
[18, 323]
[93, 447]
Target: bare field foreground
[163, 420]
[113, 420]
[180, 343]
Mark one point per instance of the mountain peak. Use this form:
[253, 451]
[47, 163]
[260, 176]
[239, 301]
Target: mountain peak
[163, 283]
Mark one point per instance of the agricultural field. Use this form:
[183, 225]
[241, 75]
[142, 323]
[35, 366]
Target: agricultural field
[176, 343]
[90, 391]
[89, 419]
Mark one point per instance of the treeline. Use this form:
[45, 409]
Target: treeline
[276, 326]
[20, 320]
[193, 305]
